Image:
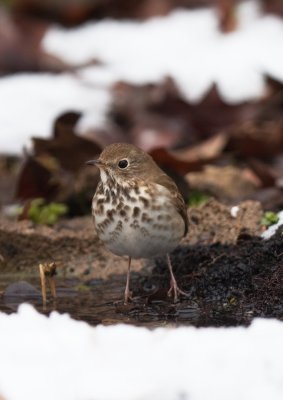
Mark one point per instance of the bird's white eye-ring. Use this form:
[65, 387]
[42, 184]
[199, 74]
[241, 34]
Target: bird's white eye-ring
[122, 164]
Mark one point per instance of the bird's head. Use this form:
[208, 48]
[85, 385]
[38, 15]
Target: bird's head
[124, 162]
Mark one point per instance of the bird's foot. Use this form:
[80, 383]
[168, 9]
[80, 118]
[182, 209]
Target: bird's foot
[176, 291]
[128, 296]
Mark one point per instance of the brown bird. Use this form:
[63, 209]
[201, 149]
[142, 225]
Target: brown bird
[138, 210]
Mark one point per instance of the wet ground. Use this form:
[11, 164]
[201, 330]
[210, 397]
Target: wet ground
[230, 273]
[99, 302]
[228, 285]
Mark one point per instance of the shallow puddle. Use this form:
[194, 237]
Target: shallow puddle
[100, 302]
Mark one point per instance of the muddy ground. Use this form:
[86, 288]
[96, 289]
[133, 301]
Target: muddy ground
[230, 273]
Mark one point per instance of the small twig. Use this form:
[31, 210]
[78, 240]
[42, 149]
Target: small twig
[47, 271]
[213, 261]
[43, 283]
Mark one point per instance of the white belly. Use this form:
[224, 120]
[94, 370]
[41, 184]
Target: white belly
[143, 242]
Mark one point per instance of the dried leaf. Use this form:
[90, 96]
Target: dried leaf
[68, 149]
[225, 183]
[35, 181]
[167, 159]
[256, 138]
[204, 151]
[57, 169]
[265, 173]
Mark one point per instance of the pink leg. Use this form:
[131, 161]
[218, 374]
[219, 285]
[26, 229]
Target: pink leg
[127, 296]
[174, 287]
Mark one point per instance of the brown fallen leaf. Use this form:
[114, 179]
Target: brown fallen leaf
[35, 181]
[156, 115]
[56, 170]
[204, 151]
[65, 144]
[191, 158]
[256, 138]
[212, 115]
[167, 159]
[227, 183]
[265, 173]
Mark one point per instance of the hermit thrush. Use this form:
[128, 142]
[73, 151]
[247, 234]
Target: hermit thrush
[138, 211]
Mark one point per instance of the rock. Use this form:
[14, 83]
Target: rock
[20, 292]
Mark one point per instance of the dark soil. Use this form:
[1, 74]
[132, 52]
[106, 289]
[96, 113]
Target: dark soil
[231, 284]
[230, 273]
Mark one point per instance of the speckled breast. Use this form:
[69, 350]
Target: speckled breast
[140, 222]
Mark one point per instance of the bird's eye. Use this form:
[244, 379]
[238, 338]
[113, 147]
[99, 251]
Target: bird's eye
[123, 164]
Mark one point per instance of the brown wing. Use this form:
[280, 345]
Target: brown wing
[177, 198]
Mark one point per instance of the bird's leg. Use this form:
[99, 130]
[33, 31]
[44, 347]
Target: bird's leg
[128, 294]
[174, 286]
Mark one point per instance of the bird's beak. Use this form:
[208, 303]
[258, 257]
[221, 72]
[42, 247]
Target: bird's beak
[98, 163]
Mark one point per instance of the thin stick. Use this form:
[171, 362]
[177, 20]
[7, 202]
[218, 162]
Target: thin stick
[47, 272]
[43, 283]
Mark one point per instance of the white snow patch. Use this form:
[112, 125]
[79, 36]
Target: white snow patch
[31, 102]
[59, 358]
[186, 45]
[234, 211]
[273, 228]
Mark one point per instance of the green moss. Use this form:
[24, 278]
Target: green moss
[232, 301]
[197, 199]
[269, 218]
[47, 214]
[83, 288]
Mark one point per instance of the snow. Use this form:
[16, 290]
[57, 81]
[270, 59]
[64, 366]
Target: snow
[186, 45]
[273, 228]
[60, 358]
[31, 102]
[234, 211]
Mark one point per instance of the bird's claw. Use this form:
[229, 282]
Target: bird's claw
[128, 297]
[176, 291]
